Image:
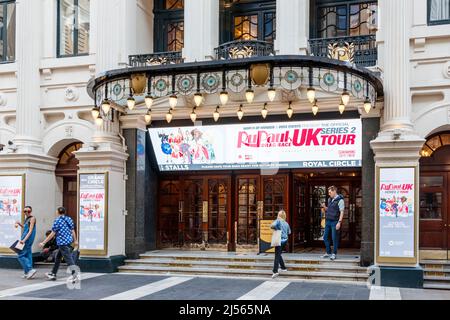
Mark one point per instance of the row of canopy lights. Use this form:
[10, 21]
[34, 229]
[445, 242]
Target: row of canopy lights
[224, 98]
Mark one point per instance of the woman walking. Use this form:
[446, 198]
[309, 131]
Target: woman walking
[283, 226]
[29, 233]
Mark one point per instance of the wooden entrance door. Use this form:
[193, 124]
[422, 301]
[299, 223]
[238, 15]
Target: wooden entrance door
[169, 213]
[193, 210]
[258, 197]
[219, 211]
[70, 197]
[434, 226]
[309, 220]
[434, 215]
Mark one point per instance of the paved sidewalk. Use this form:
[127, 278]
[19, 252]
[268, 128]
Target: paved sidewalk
[169, 287]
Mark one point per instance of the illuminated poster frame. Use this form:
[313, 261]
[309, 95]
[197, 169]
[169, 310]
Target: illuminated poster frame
[104, 203]
[22, 180]
[391, 211]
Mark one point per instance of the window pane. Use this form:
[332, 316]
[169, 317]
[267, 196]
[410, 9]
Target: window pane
[439, 10]
[175, 36]
[269, 27]
[11, 32]
[174, 4]
[7, 31]
[2, 27]
[67, 27]
[83, 26]
[246, 28]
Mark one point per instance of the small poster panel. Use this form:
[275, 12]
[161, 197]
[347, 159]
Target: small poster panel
[11, 207]
[93, 212]
[396, 213]
[265, 236]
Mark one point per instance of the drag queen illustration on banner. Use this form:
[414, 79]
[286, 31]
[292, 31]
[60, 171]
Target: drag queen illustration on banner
[187, 148]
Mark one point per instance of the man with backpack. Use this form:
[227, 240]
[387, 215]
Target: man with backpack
[64, 230]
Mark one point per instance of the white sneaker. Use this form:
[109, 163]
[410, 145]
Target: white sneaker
[24, 276]
[31, 274]
[275, 275]
[333, 257]
[51, 276]
[325, 256]
[284, 270]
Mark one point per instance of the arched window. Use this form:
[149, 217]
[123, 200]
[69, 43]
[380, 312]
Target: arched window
[7, 31]
[169, 25]
[434, 143]
[67, 163]
[248, 20]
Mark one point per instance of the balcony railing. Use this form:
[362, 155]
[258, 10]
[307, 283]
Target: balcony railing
[360, 50]
[244, 49]
[155, 59]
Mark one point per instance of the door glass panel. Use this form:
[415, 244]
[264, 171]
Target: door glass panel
[247, 215]
[431, 205]
[168, 212]
[428, 182]
[273, 197]
[217, 222]
[193, 211]
[318, 196]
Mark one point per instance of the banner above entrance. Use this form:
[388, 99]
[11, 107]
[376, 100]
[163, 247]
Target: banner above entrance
[312, 144]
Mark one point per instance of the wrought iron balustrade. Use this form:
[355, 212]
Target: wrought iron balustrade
[244, 49]
[360, 50]
[154, 59]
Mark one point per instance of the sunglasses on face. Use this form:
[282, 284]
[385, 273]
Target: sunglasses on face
[27, 211]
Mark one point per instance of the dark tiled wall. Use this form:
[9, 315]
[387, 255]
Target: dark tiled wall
[371, 127]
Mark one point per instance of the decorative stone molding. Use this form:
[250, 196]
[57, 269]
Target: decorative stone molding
[47, 73]
[419, 45]
[447, 70]
[71, 94]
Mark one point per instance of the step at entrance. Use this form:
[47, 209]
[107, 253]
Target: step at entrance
[300, 266]
[436, 274]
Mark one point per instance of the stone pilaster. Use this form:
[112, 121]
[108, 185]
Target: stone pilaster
[397, 145]
[292, 27]
[201, 29]
[28, 52]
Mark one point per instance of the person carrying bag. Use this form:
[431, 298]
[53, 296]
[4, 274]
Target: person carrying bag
[64, 230]
[279, 240]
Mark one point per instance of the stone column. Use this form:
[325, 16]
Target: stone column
[28, 52]
[292, 27]
[107, 151]
[201, 29]
[29, 158]
[397, 145]
[396, 24]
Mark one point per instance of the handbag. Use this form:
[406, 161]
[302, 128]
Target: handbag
[276, 238]
[17, 247]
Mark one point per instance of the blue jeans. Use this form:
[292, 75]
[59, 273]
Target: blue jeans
[330, 227]
[26, 257]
